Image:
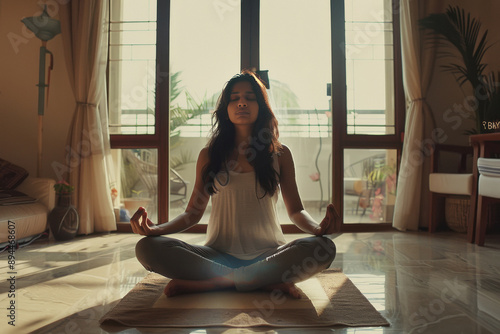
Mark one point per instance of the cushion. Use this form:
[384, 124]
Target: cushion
[12, 197]
[11, 175]
[453, 184]
[489, 186]
[490, 167]
[28, 219]
[40, 188]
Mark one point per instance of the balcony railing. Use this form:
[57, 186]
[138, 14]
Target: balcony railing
[292, 123]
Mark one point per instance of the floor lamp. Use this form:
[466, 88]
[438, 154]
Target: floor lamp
[45, 28]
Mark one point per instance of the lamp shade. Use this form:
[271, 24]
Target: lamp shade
[44, 27]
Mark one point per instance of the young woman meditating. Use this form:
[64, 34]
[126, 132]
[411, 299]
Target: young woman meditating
[243, 168]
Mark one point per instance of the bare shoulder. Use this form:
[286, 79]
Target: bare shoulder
[203, 157]
[283, 149]
[203, 153]
[285, 157]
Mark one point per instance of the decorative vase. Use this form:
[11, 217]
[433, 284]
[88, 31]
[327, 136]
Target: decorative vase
[63, 219]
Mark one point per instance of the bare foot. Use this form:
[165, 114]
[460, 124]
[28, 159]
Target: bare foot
[288, 288]
[179, 286]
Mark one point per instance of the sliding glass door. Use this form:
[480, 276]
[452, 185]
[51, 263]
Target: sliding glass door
[334, 84]
[334, 76]
[372, 113]
[204, 55]
[134, 120]
[295, 48]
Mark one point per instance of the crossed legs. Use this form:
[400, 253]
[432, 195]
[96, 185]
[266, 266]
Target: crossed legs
[195, 268]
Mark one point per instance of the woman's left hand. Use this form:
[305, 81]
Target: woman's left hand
[328, 224]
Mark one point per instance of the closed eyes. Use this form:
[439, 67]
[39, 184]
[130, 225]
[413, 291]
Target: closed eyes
[249, 96]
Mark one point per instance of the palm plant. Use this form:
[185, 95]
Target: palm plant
[283, 95]
[457, 29]
[180, 116]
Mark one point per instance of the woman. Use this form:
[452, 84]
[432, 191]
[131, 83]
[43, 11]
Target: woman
[242, 169]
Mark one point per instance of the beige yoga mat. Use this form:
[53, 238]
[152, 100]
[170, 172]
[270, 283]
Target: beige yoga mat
[328, 299]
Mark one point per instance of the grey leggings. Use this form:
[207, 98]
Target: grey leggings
[292, 262]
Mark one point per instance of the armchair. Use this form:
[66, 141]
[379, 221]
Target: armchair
[451, 183]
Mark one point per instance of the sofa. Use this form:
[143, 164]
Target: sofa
[29, 219]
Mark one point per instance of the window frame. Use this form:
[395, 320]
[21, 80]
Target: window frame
[341, 139]
[250, 15]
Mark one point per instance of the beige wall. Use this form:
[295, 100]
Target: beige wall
[19, 58]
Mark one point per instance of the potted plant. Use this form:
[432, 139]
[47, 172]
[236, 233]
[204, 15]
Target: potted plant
[64, 192]
[382, 181]
[457, 29]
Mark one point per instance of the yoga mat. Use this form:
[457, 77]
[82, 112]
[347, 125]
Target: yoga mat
[328, 299]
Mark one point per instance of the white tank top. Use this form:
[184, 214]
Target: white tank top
[242, 223]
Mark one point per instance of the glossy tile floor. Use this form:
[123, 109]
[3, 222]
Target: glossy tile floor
[421, 283]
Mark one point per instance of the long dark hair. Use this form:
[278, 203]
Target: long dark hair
[263, 143]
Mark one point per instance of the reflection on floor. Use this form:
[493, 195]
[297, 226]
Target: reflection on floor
[421, 283]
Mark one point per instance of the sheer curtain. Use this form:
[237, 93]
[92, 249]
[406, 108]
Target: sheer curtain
[417, 64]
[84, 26]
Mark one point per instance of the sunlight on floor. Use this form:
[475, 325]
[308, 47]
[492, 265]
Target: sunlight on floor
[419, 282]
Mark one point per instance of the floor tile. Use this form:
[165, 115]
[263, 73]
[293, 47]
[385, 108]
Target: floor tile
[421, 283]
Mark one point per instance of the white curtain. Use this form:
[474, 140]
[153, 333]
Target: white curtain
[84, 26]
[417, 65]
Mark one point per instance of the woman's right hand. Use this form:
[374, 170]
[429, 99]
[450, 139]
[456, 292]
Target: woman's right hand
[142, 225]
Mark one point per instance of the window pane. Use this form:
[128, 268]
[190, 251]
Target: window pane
[369, 67]
[295, 47]
[138, 175]
[132, 61]
[369, 185]
[204, 55]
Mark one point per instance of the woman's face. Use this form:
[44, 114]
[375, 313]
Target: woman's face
[243, 107]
